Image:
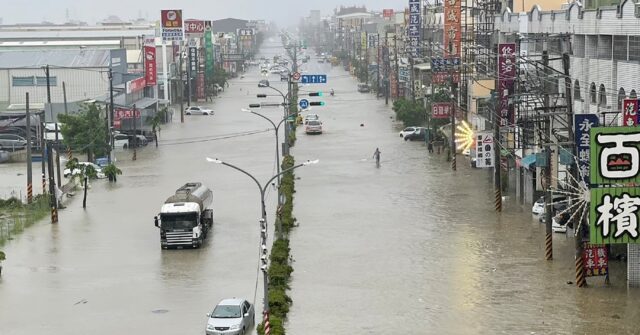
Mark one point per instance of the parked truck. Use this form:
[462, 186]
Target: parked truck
[185, 217]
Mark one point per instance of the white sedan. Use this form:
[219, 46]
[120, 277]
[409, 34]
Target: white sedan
[99, 173]
[198, 110]
[408, 130]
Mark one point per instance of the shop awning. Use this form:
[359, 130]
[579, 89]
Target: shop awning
[144, 103]
[528, 161]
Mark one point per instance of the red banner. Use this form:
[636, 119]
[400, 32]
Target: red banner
[596, 260]
[194, 26]
[387, 13]
[125, 113]
[441, 110]
[150, 71]
[200, 86]
[452, 28]
[506, 79]
[136, 85]
[629, 112]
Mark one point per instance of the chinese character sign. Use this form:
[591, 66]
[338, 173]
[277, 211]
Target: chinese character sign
[208, 47]
[452, 28]
[372, 41]
[194, 27]
[596, 260]
[171, 20]
[615, 156]
[614, 215]
[193, 62]
[630, 112]
[506, 79]
[387, 13]
[441, 110]
[413, 28]
[484, 150]
[583, 124]
[150, 69]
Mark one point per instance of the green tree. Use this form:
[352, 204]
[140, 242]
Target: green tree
[439, 95]
[81, 173]
[155, 121]
[220, 77]
[86, 131]
[409, 112]
[2, 258]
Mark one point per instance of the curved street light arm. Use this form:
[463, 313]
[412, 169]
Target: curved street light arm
[277, 90]
[281, 173]
[266, 118]
[250, 176]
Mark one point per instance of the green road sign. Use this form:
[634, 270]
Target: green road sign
[615, 156]
[613, 216]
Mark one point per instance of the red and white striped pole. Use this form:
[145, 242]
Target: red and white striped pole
[267, 326]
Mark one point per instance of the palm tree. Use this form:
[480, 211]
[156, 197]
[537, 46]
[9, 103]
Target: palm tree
[84, 173]
[156, 121]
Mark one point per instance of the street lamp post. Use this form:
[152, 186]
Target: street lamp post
[263, 219]
[276, 128]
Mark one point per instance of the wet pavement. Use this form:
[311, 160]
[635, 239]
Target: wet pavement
[409, 247]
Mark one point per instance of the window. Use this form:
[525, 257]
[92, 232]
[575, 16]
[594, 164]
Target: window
[621, 96]
[592, 93]
[602, 96]
[576, 91]
[633, 95]
[42, 81]
[578, 45]
[620, 47]
[604, 46]
[634, 46]
[22, 81]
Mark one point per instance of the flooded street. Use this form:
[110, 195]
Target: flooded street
[410, 247]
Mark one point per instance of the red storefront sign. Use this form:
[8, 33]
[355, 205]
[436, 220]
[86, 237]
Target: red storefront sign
[150, 70]
[200, 86]
[387, 13]
[452, 28]
[440, 78]
[629, 112]
[136, 85]
[441, 110]
[193, 26]
[595, 259]
[125, 113]
[506, 79]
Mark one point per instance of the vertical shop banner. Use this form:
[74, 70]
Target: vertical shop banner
[484, 150]
[615, 177]
[171, 24]
[583, 124]
[193, 62]
[372, 41]
[150, 66]
[595, 259]
[363, 40]
[208, 47]
[452, 28]
[630, 112]
[413, 29]
[506, 79]
[200, 87]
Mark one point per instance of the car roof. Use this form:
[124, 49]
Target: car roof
[231, 302]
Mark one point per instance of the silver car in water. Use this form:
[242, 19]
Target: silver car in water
[231, 317]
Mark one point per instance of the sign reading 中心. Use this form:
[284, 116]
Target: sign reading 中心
[484, 150]
[313, 79]
[615, 177]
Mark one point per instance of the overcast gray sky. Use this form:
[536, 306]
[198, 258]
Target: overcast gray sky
[284, 12]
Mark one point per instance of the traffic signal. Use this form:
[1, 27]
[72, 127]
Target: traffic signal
[316, 103]
[315, 94]
[255, 106]
[261, 95]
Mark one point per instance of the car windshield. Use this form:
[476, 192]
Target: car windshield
[178, 221]
[226, 312]
[312, 117]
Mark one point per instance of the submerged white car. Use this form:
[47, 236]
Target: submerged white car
[99, 173]
[538, 206]
[231, 317]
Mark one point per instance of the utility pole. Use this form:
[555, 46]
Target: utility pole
[53, 202]
[189, 76]
[395, 47]
[411, 80]
[181, 82]
[386, 67]
[454, 106]
[66, 111]
[548, 210]
[135, 134]
[378, 61]
[579, 225]
[55, 126]
[497, 176]
[42, 153]
[111, 115]
[29, 161]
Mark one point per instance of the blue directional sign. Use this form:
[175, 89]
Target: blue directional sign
[313, 79]
[304, 103]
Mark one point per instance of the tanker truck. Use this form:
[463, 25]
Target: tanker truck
[185, 217]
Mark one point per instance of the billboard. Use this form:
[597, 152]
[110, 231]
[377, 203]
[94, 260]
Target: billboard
[452, 28]
[413, 28]
[582, 128]
[441, 110]
[506, 80]
[484, 150]
[194, 27]
[150, 66]
[193, 62]
[387, 13]
[629, 112]
[171, 24]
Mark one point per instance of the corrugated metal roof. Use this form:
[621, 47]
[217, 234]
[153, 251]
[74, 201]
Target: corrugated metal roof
[63, 58]
[62, 34]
